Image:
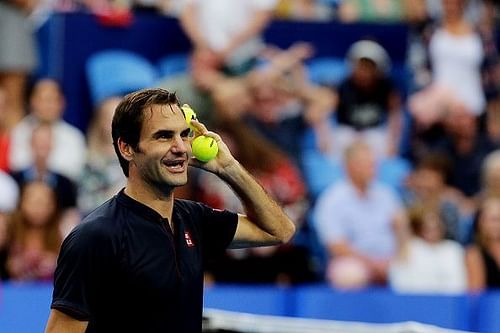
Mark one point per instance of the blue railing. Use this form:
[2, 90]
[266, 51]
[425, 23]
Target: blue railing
[25, 308]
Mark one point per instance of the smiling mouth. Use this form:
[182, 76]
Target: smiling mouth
[175, 166]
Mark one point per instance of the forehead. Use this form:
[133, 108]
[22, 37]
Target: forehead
[45, 87]
[163, 117]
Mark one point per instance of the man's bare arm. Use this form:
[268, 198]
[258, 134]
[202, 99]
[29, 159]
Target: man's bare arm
[61, 323]
[265, 223]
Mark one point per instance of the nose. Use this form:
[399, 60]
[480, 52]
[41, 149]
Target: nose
[179, 145]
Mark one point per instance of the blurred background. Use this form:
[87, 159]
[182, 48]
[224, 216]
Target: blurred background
[375, 124]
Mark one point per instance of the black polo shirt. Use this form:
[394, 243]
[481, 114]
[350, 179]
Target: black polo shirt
[124, 270]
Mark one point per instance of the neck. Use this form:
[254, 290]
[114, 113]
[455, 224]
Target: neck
[41, 167]
[34, 238]
[361, 187]
[160, 201]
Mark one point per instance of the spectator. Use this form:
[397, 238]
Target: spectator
[280, 102]
[47, 104]
[101, 176]
[9, 196]
[456, 54]
[229, 42]
[493, 118]
[280, 178]
[304, 10]
[466, 147]
[369, 104]
[41, 142]
[4, 132]
[17, 54]
[9, 193]
[490, 176]
[354, 219]
[483, 255]
[426, 262]
[371, 11]
[34, 237]
[427, 187]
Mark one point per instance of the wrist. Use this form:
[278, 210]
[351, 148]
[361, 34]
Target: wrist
[232, 172]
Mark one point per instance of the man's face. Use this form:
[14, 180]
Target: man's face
[47, 103]
[365, 73]
[161, 157]
[361, 167]
[41, 143]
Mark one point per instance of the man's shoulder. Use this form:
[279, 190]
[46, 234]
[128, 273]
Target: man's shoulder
[196, 211]
[23, 128]
[383, 189]
[185, 206]
[102, 219]
[339, 189]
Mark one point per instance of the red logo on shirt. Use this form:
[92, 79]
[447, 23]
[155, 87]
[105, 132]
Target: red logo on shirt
[189, 240]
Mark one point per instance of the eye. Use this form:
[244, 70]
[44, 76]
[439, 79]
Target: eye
[186, 134]
[163, 135]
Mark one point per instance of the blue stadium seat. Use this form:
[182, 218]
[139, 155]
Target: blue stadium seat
[117, 72]
[393, 172]
[328, 71]
[321, 170]
[173, 64]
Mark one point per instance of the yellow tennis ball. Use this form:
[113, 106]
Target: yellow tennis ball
[204, 148]
[189, 114]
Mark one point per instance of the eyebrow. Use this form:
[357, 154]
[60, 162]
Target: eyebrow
[170, 133]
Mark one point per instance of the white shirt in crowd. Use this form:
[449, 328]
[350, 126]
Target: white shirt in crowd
[68, 150]
[9, 194]
[430, 268]
[364, 222]
[221, 20]
[456, 62]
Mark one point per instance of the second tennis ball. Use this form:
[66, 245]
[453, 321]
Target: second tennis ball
[204, 148]
[189, 114]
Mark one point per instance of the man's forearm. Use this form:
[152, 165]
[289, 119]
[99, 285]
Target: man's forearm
[261, 209]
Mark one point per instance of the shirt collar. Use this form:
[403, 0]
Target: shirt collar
[139, 208]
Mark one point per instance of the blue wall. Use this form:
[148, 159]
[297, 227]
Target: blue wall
[25, 308]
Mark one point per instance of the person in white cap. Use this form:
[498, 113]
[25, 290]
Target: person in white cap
[369, 103]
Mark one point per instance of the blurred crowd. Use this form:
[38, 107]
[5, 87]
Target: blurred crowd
[389, 185]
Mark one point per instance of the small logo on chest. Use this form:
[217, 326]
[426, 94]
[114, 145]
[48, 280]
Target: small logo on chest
[189, 240]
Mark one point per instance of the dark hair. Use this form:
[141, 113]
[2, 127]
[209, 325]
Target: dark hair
[436, 162]
[129, 117]
[417, 215]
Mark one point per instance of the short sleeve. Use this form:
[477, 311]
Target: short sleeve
[328, 217]
[84, 258]
[218, 229]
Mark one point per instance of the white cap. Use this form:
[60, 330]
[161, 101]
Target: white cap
[9, 193]
[367, 49]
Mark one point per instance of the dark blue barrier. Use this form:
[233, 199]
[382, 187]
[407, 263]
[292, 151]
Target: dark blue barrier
[488, 313]
[257, 300]
[381, 306]
[67, 40]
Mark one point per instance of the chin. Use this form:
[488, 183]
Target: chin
[178, 181]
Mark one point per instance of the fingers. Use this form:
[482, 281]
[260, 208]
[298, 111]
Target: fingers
[202, 130]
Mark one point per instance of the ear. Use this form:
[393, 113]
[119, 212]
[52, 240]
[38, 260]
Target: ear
[125, 150]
